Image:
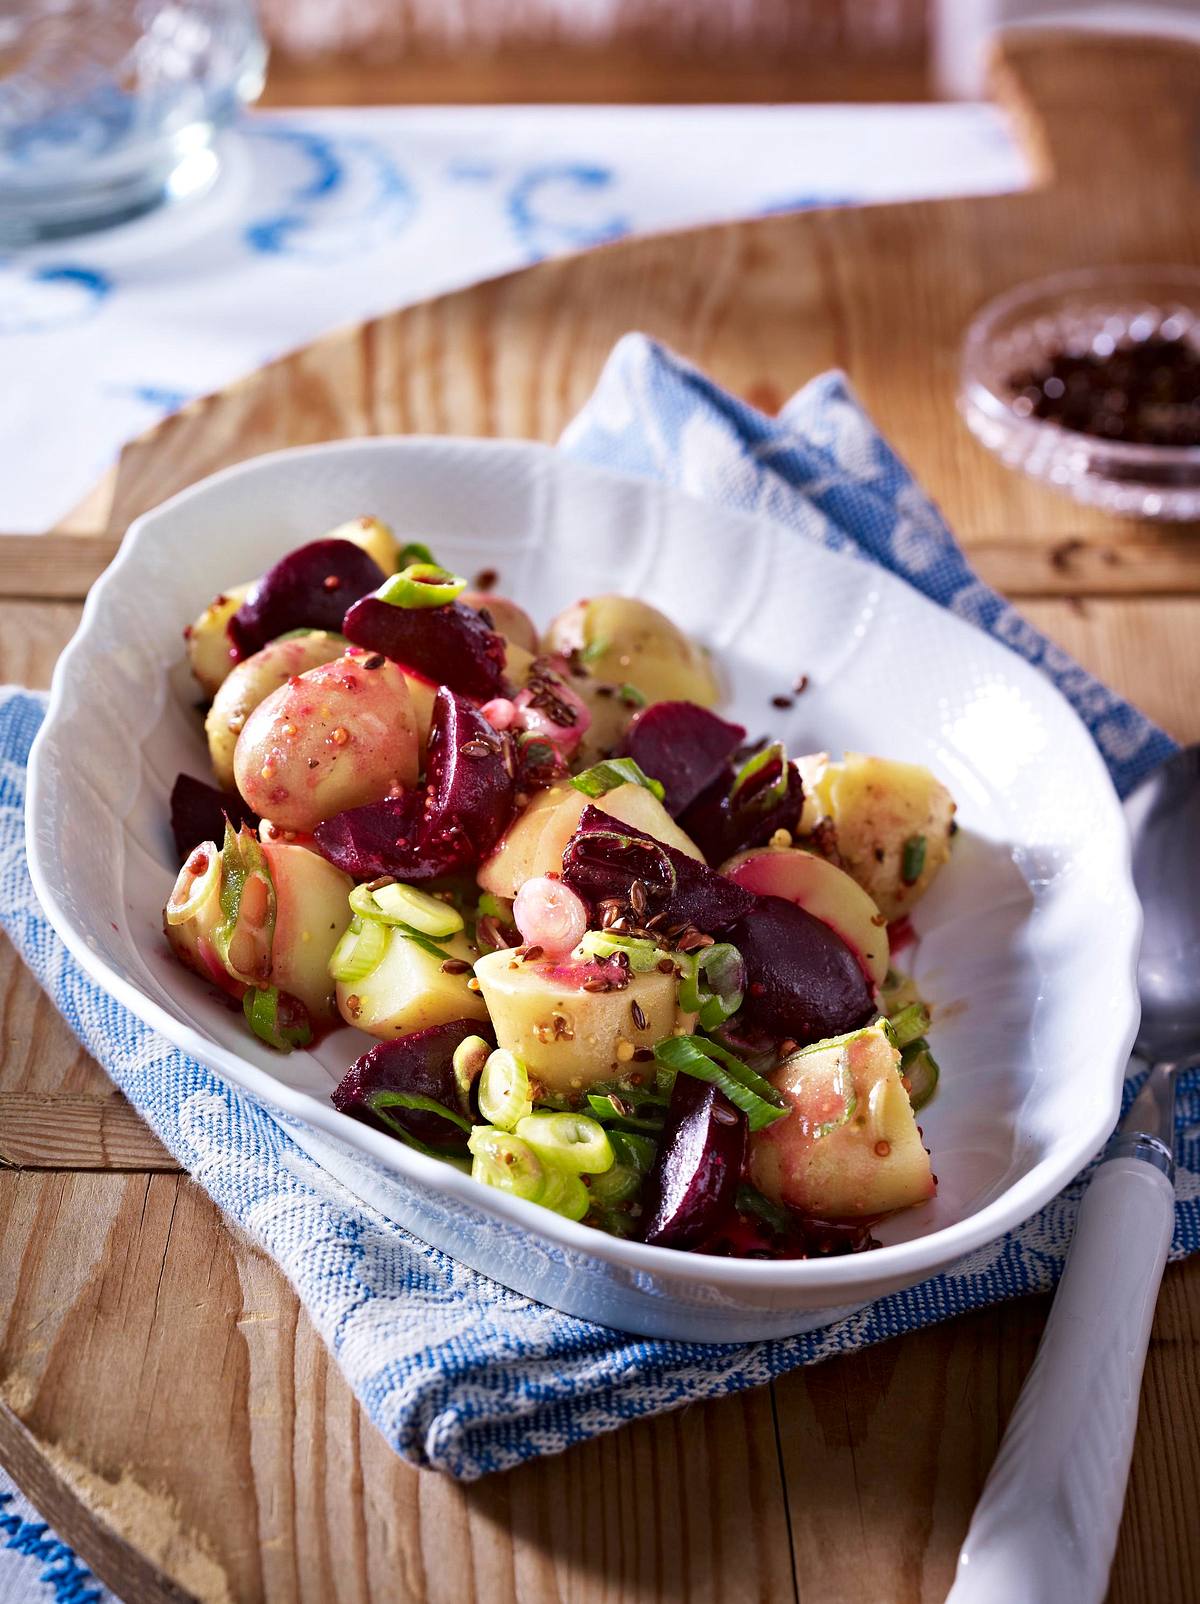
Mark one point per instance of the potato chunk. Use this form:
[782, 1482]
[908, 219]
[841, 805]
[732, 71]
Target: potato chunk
[628, 642]
[410, 989]
[891, 824]
[534, 842]
[850, 1147]
[209, 648]
[312, 911]
[251, 682]
[375, 538]
[570, 1038]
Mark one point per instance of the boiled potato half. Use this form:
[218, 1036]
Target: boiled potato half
[375, 538]
[569, 1038]
[312, 911]
[251, 682]
[892, 823]
[209, 649]
[338, 736]
[534, 842]
[828, 893]
[850, 1147]
[410, 988]
[627, 642]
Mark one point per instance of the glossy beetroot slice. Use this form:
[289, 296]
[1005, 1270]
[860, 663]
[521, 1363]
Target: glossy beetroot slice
[420, 1064]
[310, 588]
[721, 824]
[690, 1190]
[449, 645]
[380, 838]
[199, 811]
[604, 857]
[803, 981]
[683, 746]
[469, 780]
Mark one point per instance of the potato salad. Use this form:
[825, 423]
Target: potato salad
[616, 958]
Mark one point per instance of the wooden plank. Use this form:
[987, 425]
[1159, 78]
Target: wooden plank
[77, 1131]
[54, 566]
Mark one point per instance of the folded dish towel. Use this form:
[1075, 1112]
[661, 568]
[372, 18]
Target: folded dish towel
[505, 1379]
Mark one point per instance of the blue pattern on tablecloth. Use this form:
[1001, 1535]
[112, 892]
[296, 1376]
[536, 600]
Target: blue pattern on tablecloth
[457, 1372]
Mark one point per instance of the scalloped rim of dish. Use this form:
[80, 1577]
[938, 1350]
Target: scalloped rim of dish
[903, 1261]
[975, 393]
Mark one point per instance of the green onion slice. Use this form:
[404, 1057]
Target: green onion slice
[423, 584]
[282, 1026]
[593, 651]
[750, 1200]
[572, 1142]
[635, 1151]
[642, 953]
[630, 696]
[849, 1098]
[712, 983]
[614, 771]
[400, 904]
[912, 859]
[504, 1095]
[920, 1068]
[502, 1160]
[565, 1194]
[470, 1056]
[617, 1185]
[771, 794]
[359, 952]
[242, 860]
[909, 1024]
[380, 1102]
[415, 551]
[706, 1060]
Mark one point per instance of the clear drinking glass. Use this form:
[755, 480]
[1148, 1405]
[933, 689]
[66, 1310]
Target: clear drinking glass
[111, 107]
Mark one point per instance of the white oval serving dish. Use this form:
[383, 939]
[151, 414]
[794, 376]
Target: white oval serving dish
[1026, 944]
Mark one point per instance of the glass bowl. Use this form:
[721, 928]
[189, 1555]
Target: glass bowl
[1097, 310]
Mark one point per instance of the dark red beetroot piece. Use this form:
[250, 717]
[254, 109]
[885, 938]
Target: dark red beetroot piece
[604, 857]
[462, 813]
[683, 746]
[804, 981]
[421, 1064]
[721, 825]
[199, 811]
[449, 645]
[690, 1190]
[310, 588]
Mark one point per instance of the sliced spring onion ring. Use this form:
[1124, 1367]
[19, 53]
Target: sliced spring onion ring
[712, 983]
[415, 551]
[617, 1185]
[565, 1194]
[401, 904]
[920, 1068]
[575, 1143]
[359, 952]
[380, 1102]
[471, 1054]
[282, 1026]
[503, 1161]
[200, 887]
[642, 953]
[504, 1095]
[422, 584]
[704, 1059]
[750, 1200]
[614, 771]
[909, 1024]
[635, 1151]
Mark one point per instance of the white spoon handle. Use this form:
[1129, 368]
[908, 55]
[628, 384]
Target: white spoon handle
[1045, 1529]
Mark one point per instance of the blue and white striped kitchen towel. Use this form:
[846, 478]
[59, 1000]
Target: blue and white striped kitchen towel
[505, 1379]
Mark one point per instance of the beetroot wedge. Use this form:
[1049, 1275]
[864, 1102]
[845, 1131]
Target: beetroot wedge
[469, 779]
[449, 645]
[422, 1065]
[604, 857]
[683, 746]
[199, 811]
[380, 838]
[722, 820]
[803, 981]
[310, 588]
[690, 1190]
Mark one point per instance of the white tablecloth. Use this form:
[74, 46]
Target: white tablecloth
[324, 217]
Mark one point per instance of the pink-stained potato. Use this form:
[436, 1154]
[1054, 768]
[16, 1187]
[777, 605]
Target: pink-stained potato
[340, 735]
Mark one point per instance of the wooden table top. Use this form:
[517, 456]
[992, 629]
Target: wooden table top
[164, 1399]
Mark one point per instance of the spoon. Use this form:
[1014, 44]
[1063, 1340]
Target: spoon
[1045, 1528]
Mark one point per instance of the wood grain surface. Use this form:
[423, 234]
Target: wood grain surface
[162, 1395]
